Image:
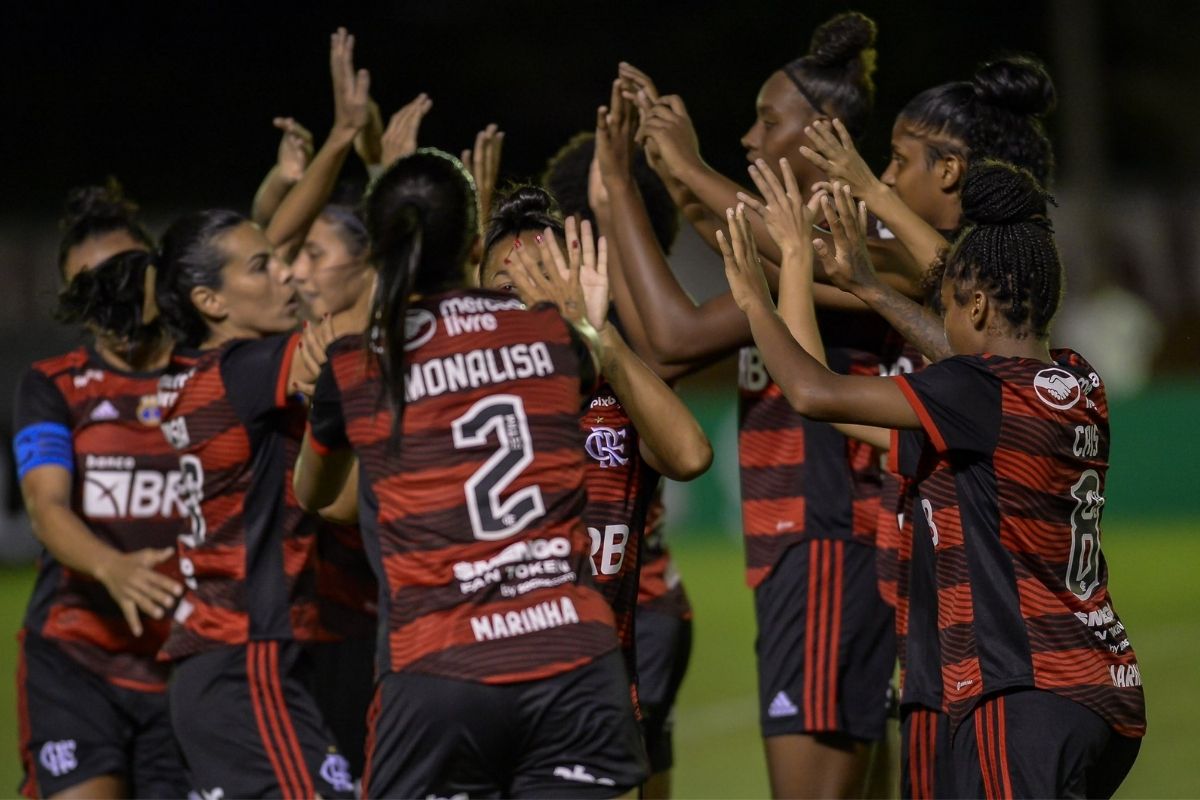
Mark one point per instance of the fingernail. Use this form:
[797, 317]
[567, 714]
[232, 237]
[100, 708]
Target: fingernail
[516, 244]
[538, 238]
[301, 344]
[506, 261]
[575, 245]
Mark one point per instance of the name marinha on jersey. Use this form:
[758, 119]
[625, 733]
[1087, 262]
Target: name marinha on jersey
[477, 368]
[538, 617]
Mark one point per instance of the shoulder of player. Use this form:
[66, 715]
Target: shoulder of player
[65, 364]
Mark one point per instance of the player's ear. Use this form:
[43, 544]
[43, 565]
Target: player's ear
[950, 172]
[208, 302]
[977, 309]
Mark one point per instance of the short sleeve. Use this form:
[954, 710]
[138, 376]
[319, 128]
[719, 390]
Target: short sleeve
[958, 403]
[255, 374]
[326, 422]
[42, 421]
[904, 456]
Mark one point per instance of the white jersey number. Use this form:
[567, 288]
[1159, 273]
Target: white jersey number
[492, 516]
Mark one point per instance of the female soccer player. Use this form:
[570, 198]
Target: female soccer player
[239, 705]
[935, 138]
[636, 428]
[1039, 678]
[100, 487]
[663, 625]
[825, 651]
[498, 668]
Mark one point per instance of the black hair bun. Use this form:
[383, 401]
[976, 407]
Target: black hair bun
[844, 39]
[998, 193]
[1019, 84]
[523, 201]
[97, 202]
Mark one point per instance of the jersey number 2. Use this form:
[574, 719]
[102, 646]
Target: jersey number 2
[493, 516]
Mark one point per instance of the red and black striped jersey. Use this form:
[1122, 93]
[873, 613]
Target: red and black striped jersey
[660, 587]
[619, 486]
[1013, 500]
[100, 424]
[347, 590]
[917, 646]
[475, 525]
[800, 478]
[246, 552]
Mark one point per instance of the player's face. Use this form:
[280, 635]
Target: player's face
[914, 179]
[95, 250]
[257, 295]
[328, 278]
[782, 113]
[494, 273]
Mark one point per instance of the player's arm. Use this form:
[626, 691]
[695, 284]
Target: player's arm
[295, 151]
[678, 331]
[45, 466]
[344, 510]
[351, 93]
[326, 461]
[671, 440]
[811, 388]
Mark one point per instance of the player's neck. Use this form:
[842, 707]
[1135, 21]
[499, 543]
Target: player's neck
[144, 358]
[1011, 346]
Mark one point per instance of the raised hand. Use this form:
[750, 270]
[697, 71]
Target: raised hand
[787, 217]
[833, 152]
[295, 149]
[847, 263]
[368, 143]
[668, 133]
[351, 89]
[483, 161]
[743, 270]
[616, 124]
[136, 586]
[400, 137]
[549, 276]
[633, 80]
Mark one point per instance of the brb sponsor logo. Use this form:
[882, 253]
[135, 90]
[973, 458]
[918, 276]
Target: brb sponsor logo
[113, 488]
[59, 757]
[607, 447]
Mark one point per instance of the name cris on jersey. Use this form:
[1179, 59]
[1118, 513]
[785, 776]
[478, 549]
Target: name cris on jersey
[531, 619]
[477, 368]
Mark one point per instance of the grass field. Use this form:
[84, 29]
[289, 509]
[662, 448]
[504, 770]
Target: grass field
[718, 751]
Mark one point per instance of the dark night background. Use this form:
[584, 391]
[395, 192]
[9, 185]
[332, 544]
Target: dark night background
[177, 98]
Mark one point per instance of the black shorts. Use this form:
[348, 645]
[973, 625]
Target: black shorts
[343, 683]
[75, 726]
[826, 645]
[572, 735]
[1033, 743]
[249, 727]
[664, 646]
[926, 762]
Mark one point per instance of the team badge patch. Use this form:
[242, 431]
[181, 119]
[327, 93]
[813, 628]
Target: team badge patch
[148, 411]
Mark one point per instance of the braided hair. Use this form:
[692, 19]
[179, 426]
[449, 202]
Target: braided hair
[1006, 247]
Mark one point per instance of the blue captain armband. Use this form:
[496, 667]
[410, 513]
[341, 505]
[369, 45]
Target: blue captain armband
[42, 444]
